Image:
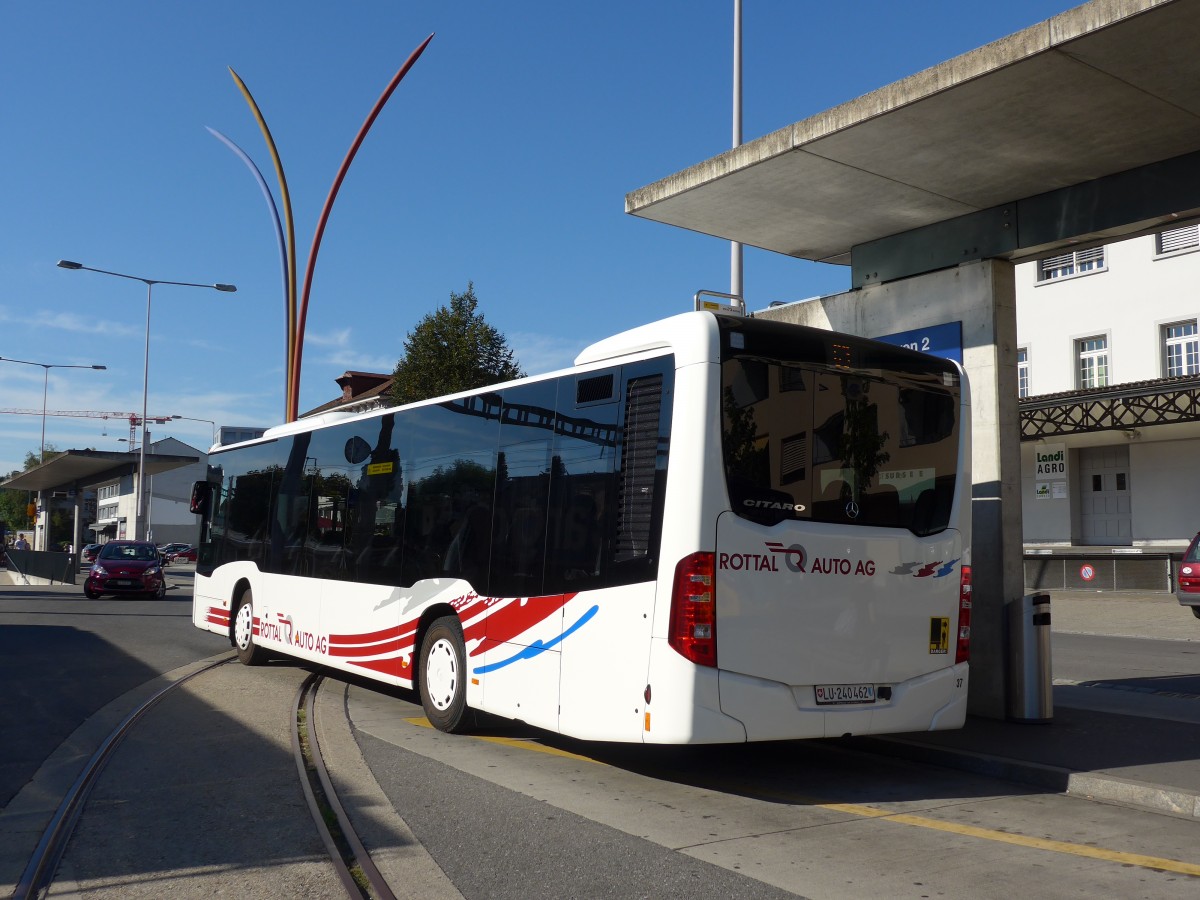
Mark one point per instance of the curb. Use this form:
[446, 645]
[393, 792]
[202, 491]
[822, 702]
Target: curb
[1088, 785]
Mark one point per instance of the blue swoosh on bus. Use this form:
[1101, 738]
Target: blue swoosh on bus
[538, 647]
[946, 569]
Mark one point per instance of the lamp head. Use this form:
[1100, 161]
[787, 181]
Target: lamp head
[227, 288]
[67, 264]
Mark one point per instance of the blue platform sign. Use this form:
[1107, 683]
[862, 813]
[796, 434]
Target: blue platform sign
[941, 340]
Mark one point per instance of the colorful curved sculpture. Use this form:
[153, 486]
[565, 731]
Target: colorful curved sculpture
[296, 317]
[291, 236]
[289, 307]
[298, 350]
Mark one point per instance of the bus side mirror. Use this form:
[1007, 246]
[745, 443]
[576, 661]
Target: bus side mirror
[201, 491]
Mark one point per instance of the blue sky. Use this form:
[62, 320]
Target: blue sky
[503, 159]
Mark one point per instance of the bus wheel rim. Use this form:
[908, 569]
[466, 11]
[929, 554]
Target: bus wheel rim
[244, 625]
[441, 676]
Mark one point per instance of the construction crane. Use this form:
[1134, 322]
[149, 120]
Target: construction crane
[134, 419]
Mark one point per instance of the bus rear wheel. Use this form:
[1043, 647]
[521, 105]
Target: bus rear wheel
[249, 653]
[442, 676]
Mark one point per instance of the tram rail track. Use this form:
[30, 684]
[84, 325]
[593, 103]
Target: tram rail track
[39, 873]
[352, 862]
[357, 872]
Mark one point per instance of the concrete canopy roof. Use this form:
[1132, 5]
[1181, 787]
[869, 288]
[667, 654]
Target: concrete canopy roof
[84, 468]
[1101, 89]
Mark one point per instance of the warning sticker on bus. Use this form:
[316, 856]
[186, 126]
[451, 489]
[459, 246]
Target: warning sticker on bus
[828, 694]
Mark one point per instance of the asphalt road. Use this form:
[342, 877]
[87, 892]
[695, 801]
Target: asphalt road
[63, 657]
[511, 812]
[203, 800]
[1143, 665]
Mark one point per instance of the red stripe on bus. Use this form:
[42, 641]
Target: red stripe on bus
[390, 666]
[389, 647]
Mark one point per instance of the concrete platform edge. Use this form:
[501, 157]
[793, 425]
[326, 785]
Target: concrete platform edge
[1089, 785]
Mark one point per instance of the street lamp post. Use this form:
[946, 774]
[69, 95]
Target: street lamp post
[46, 367]
[46, 389]
[209, 421]
[139, 523]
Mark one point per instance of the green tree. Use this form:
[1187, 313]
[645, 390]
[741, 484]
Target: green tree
[452, 349]
[14, 504]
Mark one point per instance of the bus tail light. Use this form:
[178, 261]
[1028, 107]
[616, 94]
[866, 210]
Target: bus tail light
[963, 652]
[693, 629]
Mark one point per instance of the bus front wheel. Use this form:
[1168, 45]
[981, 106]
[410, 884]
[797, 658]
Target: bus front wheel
[249, 653]
[443, 676]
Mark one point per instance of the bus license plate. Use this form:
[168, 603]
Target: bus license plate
[844, 693]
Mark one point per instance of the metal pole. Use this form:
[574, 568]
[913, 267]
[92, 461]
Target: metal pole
[42, 533]
[735, 248]
[139, 493]
[45, 393]
[138, 522]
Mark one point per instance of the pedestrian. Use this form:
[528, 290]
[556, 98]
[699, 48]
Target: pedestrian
[21, 543]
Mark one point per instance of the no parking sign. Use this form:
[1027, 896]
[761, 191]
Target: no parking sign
[1087, 572]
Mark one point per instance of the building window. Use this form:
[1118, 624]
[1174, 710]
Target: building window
[1092, 353]
[1177, 240]
[1022, 371]
[1181, 349]
[1081, 262]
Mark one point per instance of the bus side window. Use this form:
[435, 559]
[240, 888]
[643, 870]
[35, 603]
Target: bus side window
[523, 466]
[452, 490]
[582, 480]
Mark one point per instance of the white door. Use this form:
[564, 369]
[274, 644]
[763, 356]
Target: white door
[1104, 517]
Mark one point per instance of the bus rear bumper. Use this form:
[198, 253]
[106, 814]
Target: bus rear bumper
[773, 711]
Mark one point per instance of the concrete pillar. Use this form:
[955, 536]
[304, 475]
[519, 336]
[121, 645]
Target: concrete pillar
[982, 296]
[77, 523]
[41, 523]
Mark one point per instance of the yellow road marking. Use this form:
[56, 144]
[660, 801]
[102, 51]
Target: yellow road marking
[871, 812]
[520, 743]
[1020, 840]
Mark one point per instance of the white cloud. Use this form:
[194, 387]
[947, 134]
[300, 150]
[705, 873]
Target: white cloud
[330, 339]
[81, 324]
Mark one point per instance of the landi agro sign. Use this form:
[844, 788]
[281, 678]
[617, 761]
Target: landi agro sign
[1051, 461]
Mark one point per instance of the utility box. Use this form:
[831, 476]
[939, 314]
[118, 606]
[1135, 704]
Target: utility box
[1030, 674]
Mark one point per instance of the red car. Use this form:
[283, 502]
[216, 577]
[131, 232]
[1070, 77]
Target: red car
[187, 554]
[126, 567]
[1188, 589]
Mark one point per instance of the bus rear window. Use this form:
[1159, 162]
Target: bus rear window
[824, 443]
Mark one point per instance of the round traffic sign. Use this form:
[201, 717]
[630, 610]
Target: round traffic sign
[1086, 572]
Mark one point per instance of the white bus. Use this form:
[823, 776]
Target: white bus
[710, 529]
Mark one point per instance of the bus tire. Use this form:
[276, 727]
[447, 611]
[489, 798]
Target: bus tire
[442, 676]
[248, 653]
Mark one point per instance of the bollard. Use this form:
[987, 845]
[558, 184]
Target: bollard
[1030, 677]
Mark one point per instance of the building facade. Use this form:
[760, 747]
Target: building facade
[168, 499]
[1108, 357]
